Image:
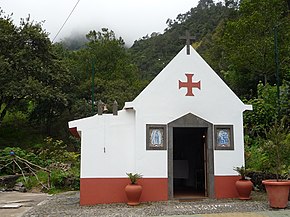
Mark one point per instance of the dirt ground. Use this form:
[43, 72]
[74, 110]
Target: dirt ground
[10, 200]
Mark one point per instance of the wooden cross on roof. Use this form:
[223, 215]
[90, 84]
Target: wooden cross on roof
[188, 38]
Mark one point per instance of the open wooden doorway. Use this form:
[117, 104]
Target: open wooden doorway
[189, 162]
[190, 147]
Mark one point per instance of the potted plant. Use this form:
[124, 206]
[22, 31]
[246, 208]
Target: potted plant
[243, 185]
[277, 148]
[133, 190]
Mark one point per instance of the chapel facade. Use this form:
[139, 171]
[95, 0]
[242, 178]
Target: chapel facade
[183, 133]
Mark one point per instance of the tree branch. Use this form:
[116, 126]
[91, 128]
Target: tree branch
[20, 170]
[33, 164]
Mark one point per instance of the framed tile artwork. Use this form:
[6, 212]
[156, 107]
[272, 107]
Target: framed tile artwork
[155, 137]
[223, 137]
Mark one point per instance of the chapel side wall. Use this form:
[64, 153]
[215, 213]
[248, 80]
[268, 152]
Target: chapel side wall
[226, 160]
[104, 155]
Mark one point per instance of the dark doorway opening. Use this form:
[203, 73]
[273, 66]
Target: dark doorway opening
[189, 162]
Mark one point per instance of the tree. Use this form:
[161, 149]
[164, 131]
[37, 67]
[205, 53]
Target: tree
[104, 70]
[248, 44]
[265, 109]
[31, 72]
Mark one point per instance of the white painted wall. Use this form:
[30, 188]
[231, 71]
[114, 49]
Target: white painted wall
[107, 148]
[226, 160]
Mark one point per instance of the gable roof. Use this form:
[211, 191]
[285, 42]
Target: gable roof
[169, 84]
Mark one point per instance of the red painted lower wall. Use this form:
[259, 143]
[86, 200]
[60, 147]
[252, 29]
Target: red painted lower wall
[111, 190]
[225, 186]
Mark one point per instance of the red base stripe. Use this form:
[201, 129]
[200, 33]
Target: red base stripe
[225, 186]
[111, 190]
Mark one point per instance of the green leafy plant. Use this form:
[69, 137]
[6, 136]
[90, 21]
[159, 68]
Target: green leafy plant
[134, 177]
[242, 172]
[64, 166]
[54, 150]
[256, 159]
[277, 148]
[36, 183]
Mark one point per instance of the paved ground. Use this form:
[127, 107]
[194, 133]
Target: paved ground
[24, 201]
[273, 213]
[67, 204]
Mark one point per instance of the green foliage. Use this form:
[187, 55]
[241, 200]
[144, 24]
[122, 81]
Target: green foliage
[261, 123]
[256, 158]
[53, 155]
[277, 148]
[134, 177]
[103, 67]
[270, 154]
[60, 180]
[264, 113]
[265, 109]
[29, 155]
[31, 182]
[55, 151]
[242, 172]
[7, 167]
[249, 55]
[31, 74]
[65, 180]
[16, 130]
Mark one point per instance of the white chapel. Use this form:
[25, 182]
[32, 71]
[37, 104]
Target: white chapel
[183, 133]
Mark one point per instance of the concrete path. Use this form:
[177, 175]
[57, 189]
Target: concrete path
[15, 204]
[273, 213]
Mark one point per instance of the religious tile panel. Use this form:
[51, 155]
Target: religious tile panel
[155, 137]
[223, 137]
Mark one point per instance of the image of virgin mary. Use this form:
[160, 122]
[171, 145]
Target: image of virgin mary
[156, 138]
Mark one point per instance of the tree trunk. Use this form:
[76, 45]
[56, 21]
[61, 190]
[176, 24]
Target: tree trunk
[2, 114]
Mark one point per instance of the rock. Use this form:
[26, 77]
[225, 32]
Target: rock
[8, 181]
[22, 189]
[19, 187]
[19, 184]
[10, 206]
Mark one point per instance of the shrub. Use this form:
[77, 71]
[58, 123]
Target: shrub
[60, 180]
[6, 165]
[52, 155]
[32, 182]
[257, 178]
[54, 150]
[65, 180]
[256, 159]
[277, 149]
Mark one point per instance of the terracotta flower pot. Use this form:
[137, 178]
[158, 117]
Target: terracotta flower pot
[277, 192]
[244, 188]
[133, 193]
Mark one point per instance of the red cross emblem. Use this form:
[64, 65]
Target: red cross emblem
[189, 84]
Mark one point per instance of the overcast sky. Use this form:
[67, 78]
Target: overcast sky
[130, 19]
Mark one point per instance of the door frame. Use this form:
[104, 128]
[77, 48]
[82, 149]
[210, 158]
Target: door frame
[191, 120]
